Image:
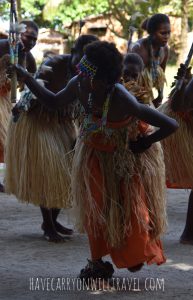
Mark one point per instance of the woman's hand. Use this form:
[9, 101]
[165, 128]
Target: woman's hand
[21, 72]
[177, 94]
[157, 101]
[16, 113]
[139, 146]
[183, 73]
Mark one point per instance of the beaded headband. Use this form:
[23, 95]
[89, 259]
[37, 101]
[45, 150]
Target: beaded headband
[86, 68]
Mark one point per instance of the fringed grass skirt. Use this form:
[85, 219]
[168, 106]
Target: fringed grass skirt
[178, 150]
[5, 112]
[102, 175]
[37, 163]
[5, 102]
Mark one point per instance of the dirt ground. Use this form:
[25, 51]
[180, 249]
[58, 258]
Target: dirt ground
[32, 268]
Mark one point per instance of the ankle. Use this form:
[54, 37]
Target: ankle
[97, 269]
[46, 226]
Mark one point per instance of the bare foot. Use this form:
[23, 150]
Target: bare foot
[51, 235]
[186, 241]
[63, 230]
[2, 189]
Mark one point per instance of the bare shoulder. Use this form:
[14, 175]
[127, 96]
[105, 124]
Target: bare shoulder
[58, 60]
[141, 48]
[123, 97]
[138, 45]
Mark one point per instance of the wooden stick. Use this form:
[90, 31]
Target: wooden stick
[13, 40]
[186, 64]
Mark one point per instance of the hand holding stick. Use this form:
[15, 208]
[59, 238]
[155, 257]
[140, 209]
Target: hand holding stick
[180, 81]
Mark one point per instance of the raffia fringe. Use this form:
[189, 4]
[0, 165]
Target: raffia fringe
[5, 112]
[37, 164]
[5, 103]
[138, 90]
[178, 150]
[146, 80]
[145, 170]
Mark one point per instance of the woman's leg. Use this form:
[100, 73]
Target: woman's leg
[59, 228]
[187, 235]
[48, 227]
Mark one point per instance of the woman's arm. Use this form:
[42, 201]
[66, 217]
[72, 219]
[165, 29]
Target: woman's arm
[157, 101]
[151, 116]
[165, 59]
[30, 63]
[46, 97]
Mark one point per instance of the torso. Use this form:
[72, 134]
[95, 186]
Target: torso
[141, 47]
[116, 111]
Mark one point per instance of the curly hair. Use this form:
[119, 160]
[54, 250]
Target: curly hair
[154, 22]
[108, 60]
[84, 40]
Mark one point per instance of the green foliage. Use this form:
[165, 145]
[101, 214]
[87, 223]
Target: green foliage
[4, 9]
[68, 11]
[54, 13]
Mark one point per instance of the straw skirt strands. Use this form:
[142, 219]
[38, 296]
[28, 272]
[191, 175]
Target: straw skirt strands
[5, 103]
[37, 159]
[178, 149]
[138, 90]
[114, 174]
[146, 80]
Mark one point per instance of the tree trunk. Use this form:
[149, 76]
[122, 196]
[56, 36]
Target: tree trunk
[19, 9]
[183, 51]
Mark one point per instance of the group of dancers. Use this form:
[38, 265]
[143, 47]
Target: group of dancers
[86, 134]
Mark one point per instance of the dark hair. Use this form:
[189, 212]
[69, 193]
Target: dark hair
[108, 60]
[83, 40]
[144, 24]
[134, 58]
[155, 21]
[30, 24]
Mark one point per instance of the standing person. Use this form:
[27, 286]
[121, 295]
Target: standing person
[154, 52]
[45, 137]
[178, 149]
[120, 202]
[27, 42]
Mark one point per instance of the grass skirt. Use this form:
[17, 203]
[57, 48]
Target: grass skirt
[5, 104]
[37, 167]
[115, 177]
[146, 80]
[178, 149]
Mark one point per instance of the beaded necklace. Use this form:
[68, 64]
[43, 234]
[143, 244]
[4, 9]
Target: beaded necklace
[88, 69]
[154, 61]
[91, 126]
